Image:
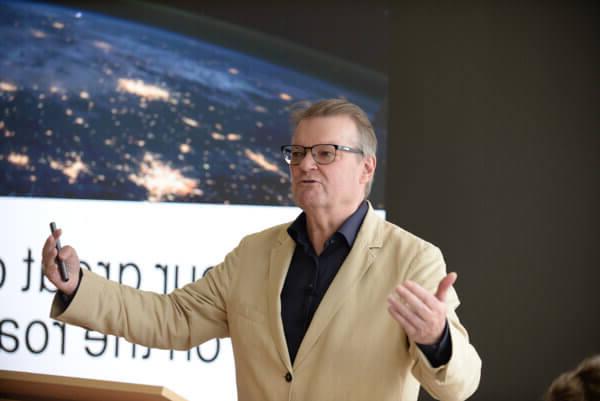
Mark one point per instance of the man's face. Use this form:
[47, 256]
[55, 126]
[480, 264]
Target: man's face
[339, 184]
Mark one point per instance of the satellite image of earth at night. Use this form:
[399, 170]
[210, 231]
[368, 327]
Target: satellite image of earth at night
[96, 107]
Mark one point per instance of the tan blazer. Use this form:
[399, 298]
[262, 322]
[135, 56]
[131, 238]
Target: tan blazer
[353, 349]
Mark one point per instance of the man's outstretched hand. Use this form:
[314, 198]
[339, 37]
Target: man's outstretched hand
[68, 255]
[421, 314]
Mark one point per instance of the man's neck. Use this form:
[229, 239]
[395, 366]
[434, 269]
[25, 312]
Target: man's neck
[321, 224]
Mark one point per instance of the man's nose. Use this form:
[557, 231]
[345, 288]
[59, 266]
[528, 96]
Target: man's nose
[308, 162]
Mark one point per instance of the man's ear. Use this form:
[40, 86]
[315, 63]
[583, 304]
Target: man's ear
[369, 164]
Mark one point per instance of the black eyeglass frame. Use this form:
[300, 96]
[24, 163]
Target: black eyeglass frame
[286, 151]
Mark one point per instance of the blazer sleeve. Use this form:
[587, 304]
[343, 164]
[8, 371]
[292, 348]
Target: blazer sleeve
[180, 320]
[459, 378]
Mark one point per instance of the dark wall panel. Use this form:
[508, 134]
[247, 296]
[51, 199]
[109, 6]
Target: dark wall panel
[494, 156]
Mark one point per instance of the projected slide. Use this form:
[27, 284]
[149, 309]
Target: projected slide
[156, 153]
[100, 108]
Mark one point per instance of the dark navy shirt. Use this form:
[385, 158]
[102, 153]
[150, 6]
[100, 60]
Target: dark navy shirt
[310, 275]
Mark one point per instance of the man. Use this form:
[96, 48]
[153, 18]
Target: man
[338, 305]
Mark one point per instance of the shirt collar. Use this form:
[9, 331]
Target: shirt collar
[348, 229]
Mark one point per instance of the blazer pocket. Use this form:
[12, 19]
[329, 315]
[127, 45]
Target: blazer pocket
[250, 312]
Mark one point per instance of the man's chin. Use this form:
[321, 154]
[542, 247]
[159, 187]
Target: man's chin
[308, 200]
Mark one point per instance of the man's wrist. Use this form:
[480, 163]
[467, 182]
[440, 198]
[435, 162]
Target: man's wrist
[67, 298]
[439, 353]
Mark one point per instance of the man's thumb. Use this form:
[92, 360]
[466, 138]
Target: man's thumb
[444, 285]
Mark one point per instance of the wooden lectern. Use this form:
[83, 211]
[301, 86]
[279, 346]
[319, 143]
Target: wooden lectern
[23, 386]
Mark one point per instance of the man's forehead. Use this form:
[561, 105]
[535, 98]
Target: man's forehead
[330, 129]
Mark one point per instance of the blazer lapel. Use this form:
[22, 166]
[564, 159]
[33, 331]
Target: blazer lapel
[281, 257]
[357, 263]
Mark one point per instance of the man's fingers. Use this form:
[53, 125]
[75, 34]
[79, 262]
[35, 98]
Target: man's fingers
[48, 245]
[424, 295]
[413, 302]
[406, 325]
[49, 252]
[419, 312]
[403, 309]
[444, 285]
[66, 252]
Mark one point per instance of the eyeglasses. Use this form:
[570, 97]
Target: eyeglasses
[323, 153]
